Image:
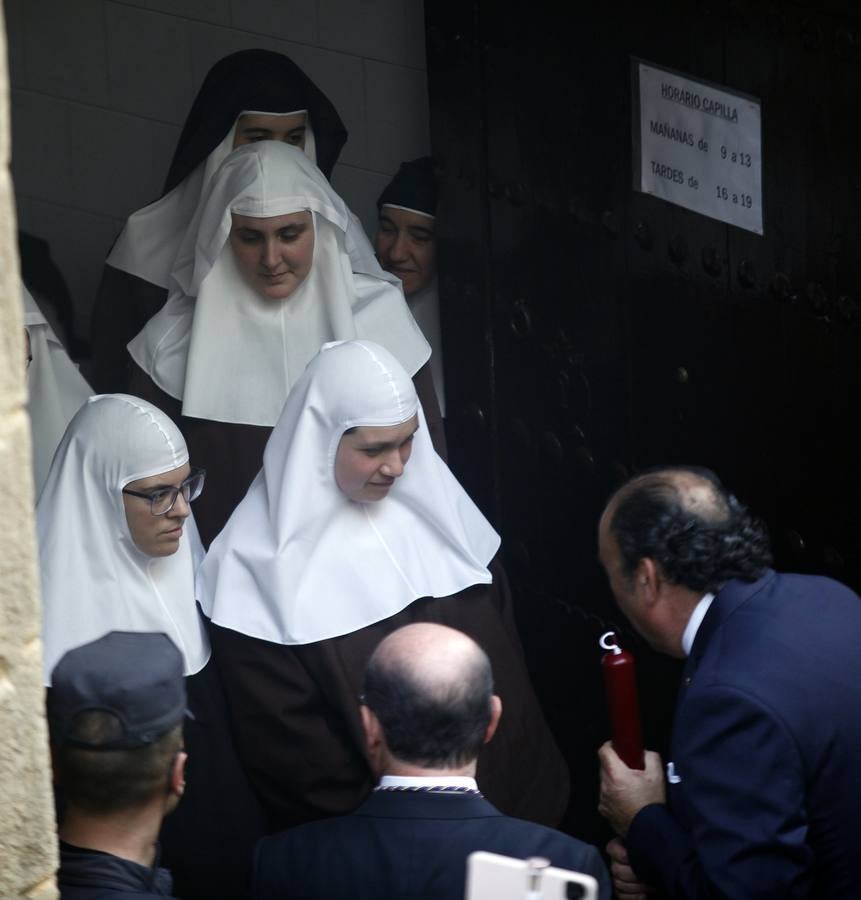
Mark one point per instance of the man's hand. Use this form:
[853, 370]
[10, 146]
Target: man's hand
[626, 885]
[624, 791]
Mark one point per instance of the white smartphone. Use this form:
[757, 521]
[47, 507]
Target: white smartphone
[490, 876]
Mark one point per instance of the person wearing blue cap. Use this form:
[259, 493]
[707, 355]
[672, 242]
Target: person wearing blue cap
[115, 713]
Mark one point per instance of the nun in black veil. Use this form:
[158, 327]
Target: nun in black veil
[247, 96]
[255, 81]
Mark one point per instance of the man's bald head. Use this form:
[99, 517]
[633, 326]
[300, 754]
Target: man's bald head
[436, 656]
[690, 525]
[431, 689]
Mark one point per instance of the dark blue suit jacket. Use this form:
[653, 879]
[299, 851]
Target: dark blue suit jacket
[402, 844]
[767, 747]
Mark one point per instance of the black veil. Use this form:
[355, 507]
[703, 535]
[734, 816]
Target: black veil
[259, 80]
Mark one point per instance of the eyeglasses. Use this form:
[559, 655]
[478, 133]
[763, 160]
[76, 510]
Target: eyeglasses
[163, 500]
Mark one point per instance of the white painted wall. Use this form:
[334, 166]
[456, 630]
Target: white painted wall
[100, 89]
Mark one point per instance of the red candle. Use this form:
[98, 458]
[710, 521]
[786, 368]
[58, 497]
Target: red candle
[620, 679]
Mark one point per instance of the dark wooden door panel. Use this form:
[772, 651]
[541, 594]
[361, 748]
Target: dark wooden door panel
[591, 330]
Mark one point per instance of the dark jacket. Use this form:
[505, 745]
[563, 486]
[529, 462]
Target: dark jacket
[93, 875]
[765, 799]
[406, 844]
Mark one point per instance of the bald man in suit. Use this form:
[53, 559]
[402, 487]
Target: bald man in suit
[428, 707]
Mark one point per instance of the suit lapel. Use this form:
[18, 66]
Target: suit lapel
[726, 602]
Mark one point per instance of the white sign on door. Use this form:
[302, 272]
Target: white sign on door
[700, 146]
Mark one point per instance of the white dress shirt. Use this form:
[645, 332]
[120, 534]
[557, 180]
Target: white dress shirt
[694, 622]
[427, 781]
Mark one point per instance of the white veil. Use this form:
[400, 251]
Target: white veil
[148, 243]
[56, 389]
[298, 561]
[94, 578]
[232, 356]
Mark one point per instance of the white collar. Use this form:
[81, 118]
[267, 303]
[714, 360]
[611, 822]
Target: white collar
[463, 781]
[694, 622]
[424, 305]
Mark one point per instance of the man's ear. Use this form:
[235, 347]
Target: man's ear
[375, 741]
[177, 774]
[373, 730]
[495, 716]
[648, 581]
[371, 727]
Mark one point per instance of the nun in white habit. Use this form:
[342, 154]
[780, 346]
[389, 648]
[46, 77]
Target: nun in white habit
[55, 388]
[108, 563]
[261, 281]
[354, 527]
[118, 552]
[247, 96]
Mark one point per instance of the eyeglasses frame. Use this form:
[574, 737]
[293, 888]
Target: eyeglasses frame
[195, 473]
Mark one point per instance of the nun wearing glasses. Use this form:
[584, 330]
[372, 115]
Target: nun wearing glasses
[118, 552]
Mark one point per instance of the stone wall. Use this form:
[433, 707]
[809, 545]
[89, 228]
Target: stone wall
[28, 847]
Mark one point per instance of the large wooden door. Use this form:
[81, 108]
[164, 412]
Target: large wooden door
[591, 330]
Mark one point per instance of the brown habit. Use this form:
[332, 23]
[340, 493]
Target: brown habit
[296, 713]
